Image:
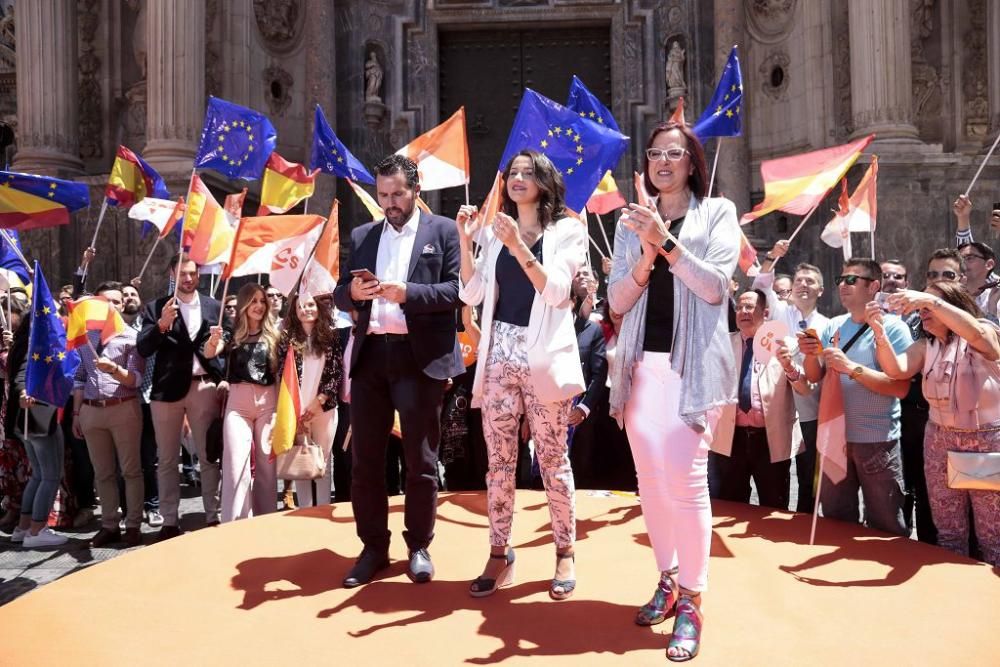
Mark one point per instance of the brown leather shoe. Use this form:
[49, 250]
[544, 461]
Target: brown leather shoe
[167, 532]
[133, 537]
[105, 537]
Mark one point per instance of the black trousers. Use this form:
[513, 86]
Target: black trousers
[913, 422]
[750, 459]
[386, 379]
[341, 459]
[805, 468]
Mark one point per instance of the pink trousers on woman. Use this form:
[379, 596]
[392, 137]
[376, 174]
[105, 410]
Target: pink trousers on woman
[247, 426]
[671, 462]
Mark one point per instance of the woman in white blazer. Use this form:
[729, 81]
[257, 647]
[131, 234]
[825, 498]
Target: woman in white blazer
[528, 358]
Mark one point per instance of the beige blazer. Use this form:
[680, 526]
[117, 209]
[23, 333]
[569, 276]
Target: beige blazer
[784, 437]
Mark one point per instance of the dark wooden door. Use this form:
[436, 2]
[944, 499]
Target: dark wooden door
[487, 72]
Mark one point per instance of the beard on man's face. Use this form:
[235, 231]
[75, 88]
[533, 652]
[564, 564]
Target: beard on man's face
[130, 308]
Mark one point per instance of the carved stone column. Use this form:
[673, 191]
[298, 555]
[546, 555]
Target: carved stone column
[733, 175]
[881, 86]
[175, 62]
[993, 64]
[47, 108]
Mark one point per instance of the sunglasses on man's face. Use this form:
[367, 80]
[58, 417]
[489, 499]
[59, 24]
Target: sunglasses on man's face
[893, 276]
[851, 279]
[946, 275]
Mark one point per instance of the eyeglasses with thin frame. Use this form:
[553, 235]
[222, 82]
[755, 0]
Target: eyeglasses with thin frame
[947, 275]
[275, 295]
[672, 154]
[851, 279]
[973, 255]
[893, 276]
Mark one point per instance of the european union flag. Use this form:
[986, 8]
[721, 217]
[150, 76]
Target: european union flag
[724, 115]
[581, 149]
[49, 377]
[9, 259]
[585, 103]
[235, 141]
[28, 201]
[330, 155]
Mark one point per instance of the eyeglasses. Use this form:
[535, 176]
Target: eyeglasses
[947, 275]
[851, 279]
[893, 276]
[783, 292]
[972, 255]
[274, 296]
[672, 154]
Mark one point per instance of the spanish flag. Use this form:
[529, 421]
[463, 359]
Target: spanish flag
[323, 270]
[285, 185]
[286, 415]
[92, 313]
[208, 230]
[442, 154]
[796, 184]
[275, 244]
[28, 201]
[606, 197]
[132, 180]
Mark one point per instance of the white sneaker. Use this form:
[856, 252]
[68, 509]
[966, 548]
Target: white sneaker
[18, 534]
[154, 518]
[45, 538]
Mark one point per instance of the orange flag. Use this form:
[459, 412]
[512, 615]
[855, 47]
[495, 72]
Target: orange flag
[323, 270]
[678, 115]
[234, 204]
[286, 415]
[796, 184]
[274, 244]
[208, 229]
[442, 154]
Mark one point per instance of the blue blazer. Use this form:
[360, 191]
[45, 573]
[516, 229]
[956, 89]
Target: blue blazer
[431, 293]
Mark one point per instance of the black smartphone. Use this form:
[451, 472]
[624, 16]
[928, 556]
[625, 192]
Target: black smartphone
[996, 206]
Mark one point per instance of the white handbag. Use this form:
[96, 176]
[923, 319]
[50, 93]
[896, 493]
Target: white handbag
[974, 470]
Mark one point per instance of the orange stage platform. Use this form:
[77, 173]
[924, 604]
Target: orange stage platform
[267, 592]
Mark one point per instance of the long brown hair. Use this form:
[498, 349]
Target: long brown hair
[551, 189]
[698, 179]
[955, 294]
[324, 335]
[241, 326]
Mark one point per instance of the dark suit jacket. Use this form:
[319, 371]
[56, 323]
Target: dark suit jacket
[431, 293]
[593, 361]
[174, 349]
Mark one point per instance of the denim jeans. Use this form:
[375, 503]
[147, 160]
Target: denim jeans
[45, 452]
[877, 469]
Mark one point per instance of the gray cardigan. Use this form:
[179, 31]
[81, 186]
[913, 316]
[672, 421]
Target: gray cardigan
[702, 354]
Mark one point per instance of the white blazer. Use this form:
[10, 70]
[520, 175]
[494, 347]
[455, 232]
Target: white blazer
[553, 356]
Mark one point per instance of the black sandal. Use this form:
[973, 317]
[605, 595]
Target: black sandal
[483, 587]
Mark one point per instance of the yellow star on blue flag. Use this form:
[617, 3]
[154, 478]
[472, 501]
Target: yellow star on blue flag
[329, 153]
[51, 367]
[581, 149]
[235, 141]
[722, 116]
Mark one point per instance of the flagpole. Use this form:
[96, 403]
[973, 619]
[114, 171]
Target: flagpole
[17, 251]
[983, 164]
[309, 258]
[596, 247]
[225, 291]
[715, 165]
[180, 243]
[801, 224]
[600, 223]
[93, 241]
[148, 257]
[819, 486]
[873, 242]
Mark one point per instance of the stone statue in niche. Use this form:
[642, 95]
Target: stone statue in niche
[676, 84]
[373, 78]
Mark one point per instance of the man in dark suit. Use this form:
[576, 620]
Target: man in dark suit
[404, 351]
[184, 384]
[594, 362]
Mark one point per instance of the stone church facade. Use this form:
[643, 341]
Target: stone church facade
[79, 77]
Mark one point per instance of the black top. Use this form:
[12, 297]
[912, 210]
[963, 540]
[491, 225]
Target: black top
[516, 291]
[659, 335]
[250, 362]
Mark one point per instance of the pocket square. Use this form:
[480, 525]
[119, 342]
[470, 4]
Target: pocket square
[429, 249]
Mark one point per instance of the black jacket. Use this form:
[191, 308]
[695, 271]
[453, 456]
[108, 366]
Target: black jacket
[593, 360]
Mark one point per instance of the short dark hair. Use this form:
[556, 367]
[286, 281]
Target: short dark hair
[180, 257]
[948, 253]
[698, 180]
[782, 276]
[872, 267]
[805, 266]
[109, 286]
[983, 249]
[394, 164]
[894, 260]
[551, 189]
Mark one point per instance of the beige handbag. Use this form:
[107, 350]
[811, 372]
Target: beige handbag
[304, 461]
[974, 470]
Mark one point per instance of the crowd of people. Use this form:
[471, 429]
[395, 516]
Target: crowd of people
[473, 353]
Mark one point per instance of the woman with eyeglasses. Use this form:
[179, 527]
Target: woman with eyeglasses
[960, 360]
[674, 256]
[248, 341]
[528, 363]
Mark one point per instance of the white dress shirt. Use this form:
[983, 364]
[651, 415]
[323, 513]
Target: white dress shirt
[191, 315]
[393, 264]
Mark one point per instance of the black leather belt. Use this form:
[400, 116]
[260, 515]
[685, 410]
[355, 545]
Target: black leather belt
[389, 337]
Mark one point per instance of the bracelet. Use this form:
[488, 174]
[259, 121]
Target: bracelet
[770, 257]
[530, 263]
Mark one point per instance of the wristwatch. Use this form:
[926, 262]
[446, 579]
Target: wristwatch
[669, 245]
[857, 372]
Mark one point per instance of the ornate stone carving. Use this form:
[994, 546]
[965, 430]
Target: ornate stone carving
[279, 22]
[213, 61]
[974, 74]
[8, 40]
[927, 95]
[135, 115]
[373, 78]
[774, 74]
[89, 87]
[769, 21]
[676, 83]
[277, 89]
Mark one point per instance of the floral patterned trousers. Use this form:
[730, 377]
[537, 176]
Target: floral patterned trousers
[507, 395]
